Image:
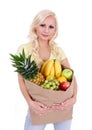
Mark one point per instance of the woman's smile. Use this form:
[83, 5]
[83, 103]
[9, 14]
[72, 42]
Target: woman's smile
[45, 35]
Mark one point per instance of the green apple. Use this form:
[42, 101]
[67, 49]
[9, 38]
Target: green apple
[67, 73]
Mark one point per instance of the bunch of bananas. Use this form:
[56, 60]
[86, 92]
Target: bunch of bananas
[51, 68]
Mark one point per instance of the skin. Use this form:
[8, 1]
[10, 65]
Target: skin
[45, 32]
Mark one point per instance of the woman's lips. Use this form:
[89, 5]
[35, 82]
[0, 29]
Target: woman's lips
[45, 35]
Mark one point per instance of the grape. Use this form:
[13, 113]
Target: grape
[46, 81]
[51, 84]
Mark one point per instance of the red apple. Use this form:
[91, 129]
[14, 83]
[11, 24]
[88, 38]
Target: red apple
[64, 85]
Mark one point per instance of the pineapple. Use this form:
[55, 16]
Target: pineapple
[39, 79]
[26, 67]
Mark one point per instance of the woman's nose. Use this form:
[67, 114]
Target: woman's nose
[46, 29]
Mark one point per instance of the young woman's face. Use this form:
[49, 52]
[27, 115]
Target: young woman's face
[46, 29]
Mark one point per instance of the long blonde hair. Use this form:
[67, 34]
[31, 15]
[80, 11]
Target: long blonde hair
[38, 19]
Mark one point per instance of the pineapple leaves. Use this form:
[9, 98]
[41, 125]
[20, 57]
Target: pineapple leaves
[27, 68]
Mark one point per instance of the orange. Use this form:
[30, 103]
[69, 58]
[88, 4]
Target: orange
[61, 79]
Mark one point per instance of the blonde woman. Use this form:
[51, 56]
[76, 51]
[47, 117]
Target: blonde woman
[43, 31]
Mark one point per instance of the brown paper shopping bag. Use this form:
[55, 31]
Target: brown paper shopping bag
[48, 97]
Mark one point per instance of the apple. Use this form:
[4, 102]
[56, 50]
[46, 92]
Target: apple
[68, 73]
[64, 85]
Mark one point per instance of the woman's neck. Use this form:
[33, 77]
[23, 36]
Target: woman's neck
[44, 50]
[43, 43]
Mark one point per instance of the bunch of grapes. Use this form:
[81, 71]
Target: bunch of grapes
[51, 84]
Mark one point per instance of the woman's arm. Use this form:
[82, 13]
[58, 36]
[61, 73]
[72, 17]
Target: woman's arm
[37, 107]
[24, 89]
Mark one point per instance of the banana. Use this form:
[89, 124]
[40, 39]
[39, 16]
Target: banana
[58, 68]
[43, 66]
[51, 68]
[52, 71]
[48, 67]
[49, 77]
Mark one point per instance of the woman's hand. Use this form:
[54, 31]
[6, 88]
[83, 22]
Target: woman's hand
[65, 105]
[69, 102]
[39, 108]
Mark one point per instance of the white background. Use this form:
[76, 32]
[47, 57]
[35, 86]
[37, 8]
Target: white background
[75, 37]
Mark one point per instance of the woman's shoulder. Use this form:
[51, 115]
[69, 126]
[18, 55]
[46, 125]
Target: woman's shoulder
[59, 52]
[24, 46]
[58, 48]
[27, 48]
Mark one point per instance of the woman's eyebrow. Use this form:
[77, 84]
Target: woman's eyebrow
[42, 24]
[51, 26]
